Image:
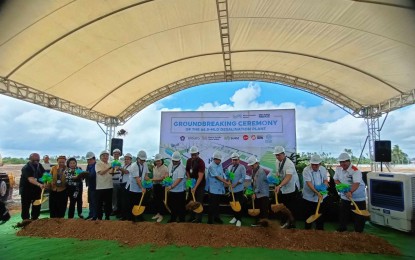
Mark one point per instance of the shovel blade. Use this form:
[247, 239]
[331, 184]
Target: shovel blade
[277, 207]
[253, 212]
[44, 200]
[37, 202]
[235, 205]
[363, 213]
[138, 210]
[198, 209]
[313, 218]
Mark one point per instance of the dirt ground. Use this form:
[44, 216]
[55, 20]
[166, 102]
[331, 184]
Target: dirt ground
[196, 235]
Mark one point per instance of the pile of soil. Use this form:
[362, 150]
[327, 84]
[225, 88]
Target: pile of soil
[195, 235]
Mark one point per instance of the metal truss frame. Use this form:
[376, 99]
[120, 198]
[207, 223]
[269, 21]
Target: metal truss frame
[223, 19]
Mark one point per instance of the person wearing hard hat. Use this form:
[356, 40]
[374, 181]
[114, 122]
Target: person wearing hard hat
[116, 196]
[58, 194]
[216, 187]
[260, 186]
[314, 175]
[349, 174]
[195, 169]
[160, 172]
[237, 185]
[137, 173]
[124, 195]
[289, 185]
[177, 191]
[91, 183]
[104, 185]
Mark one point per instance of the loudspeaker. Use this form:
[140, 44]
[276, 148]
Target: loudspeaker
[383, 152]
[116, 143]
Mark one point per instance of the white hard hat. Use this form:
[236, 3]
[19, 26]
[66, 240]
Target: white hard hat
[343, 157]
[217, 155]
[193, 149]
[252, 160]
[116, 151]
[104, 152]
[89, 155]
[176, 156]
[128, 155]
[315, 159]
[235, 156]
[158, 157]
[142, 155]
[278, 150]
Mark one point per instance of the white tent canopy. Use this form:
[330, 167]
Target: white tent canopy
[107, 60]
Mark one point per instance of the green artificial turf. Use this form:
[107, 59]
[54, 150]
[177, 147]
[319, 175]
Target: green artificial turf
[14, 247]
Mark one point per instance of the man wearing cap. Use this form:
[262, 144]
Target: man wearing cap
[289, 185]
[239, 172]
[314, 175]
[349, 174]
[124, 198]
[104, 185]
[216, 187]
[137, 172]
[91, 183]
[116, 197]
[195, 169]
[30, 187]
[46, 164]
[261, 189]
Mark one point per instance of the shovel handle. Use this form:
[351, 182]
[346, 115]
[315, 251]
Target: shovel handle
[41, 194]
[355, 205]
[318, 205]
[141, 200]
[193, 195]
[253, 202]
[276, 197]
[233, 197]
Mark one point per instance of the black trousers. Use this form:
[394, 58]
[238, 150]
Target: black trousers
[344, 215]
[104, 199]
[238, 197]
[124, 205]
[263, 205]
[289, 200]
[177, 205]
[199, 196]
[214, 200]
[27, 201]
[158, 197]
[57, 203]
[134, 199]
[310, 209]
[74, 200]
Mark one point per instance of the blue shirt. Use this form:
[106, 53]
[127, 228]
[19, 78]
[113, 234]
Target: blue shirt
[240, 173]
[216, 186]
[177, 172]
[316, 178]
[261, 185]
[92, 177]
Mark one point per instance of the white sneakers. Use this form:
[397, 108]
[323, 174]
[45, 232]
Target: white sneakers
[156, 216]
[234, 220]
[160, 219]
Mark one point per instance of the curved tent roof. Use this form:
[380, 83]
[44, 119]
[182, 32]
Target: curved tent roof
[107, 60]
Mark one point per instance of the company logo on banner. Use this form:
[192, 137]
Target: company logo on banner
[245, 132]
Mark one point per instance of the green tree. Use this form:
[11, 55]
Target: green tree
[398, 156]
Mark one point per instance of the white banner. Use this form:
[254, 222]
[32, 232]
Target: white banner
[248, 133]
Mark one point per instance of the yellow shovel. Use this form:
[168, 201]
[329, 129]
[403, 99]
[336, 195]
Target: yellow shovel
[165, 200]
[138, 209]
[198, 209]
[314, 217]
[235, 205]
[41, 200]
[253, 212]
[277, 206]
[364, 213]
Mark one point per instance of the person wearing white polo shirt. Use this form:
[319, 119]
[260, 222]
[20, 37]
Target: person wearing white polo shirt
[289, 185]
[237, 185]
[104, 185]
[313, 176]
[116, 192]
[349, 174]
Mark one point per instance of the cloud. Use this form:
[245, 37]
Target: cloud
[25, 128]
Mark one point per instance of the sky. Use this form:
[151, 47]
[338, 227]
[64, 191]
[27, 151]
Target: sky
[321, 125]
